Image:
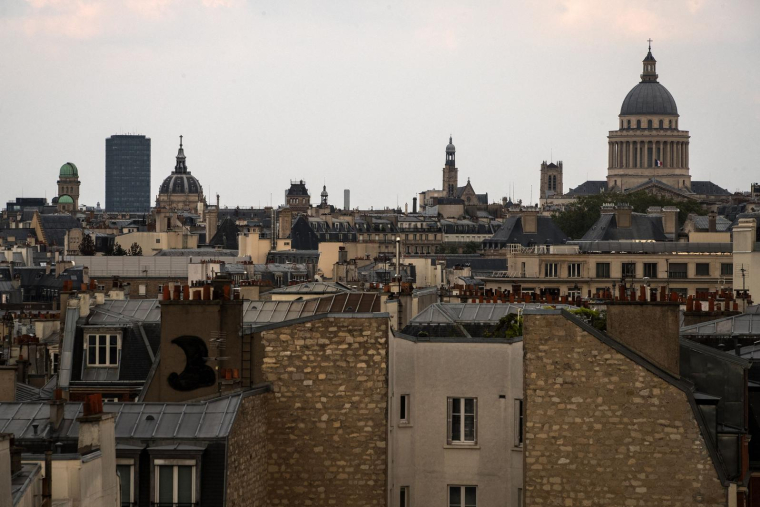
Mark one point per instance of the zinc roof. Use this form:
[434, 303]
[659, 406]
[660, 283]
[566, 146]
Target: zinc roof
[145, 421]
[127, 311]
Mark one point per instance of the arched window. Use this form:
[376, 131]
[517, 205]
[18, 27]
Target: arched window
[662, 124]
[638, 124]
[629, 123]
[670, 124]
[649, 124]
[621, 124]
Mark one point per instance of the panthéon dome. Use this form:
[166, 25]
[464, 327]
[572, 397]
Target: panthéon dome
[649, 96]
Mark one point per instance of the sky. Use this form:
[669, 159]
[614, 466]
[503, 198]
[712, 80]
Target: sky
[364, 95]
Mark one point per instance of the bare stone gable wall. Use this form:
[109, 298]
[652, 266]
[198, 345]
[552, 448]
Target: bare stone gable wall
[247, 454]
[327, 423]
[602, 430]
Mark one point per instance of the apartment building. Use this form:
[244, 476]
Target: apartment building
[583, 268]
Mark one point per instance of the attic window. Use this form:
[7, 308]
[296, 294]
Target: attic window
[103, 350]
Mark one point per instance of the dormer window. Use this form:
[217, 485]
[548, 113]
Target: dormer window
[103, 350]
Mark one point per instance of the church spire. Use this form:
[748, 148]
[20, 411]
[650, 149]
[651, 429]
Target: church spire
[650, 67]
[180, 167]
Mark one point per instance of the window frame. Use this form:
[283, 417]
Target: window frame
[405, 501]
[605, 269]
[463, 492]
[519, 409]
[461, 442]
[726, 272]
[551, 270]
[404, 414]
[123, 462]
[702, 265]
[175, 464]
[648, 272]
[107, 363]
[575, 270]
[625, 272]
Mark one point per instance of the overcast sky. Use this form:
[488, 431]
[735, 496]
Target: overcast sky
[364, 95]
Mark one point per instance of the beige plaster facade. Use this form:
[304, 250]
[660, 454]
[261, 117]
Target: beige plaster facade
[428, 373]
[559, 269]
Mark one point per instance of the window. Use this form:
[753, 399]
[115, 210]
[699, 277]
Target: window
[726, 269]
[463, 420]
[403, 496]
[703, 269]
[126, 473]
[519, 423]
[677, 270]
[463, 496]
[602, 269]
[160, 289]
[629, 123]
[574, 270]
[638, 124]
[141, 290]
[403, 410]
[158, 240]
[550, 270]
[175, 484]
[650, 269]
[102, 350]
[628, 269]
[649, 124]
[662, 123]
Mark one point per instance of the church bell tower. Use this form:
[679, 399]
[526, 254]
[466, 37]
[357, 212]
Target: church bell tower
[450, 171]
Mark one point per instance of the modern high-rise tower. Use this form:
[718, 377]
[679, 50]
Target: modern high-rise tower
[128, 173]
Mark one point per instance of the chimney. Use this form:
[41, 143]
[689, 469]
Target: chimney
[529, 221]
[649, 329]
[623, 216]
[57, 405]
[342, 255]
[7, 384]
[712, 222]
[414, 205]
[670, 221]
[212, 219]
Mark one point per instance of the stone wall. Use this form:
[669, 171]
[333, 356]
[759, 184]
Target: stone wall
[327, 423]
[247, 454]
[602, 430]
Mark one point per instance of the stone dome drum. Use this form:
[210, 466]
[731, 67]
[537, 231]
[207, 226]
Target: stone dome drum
[649, 97]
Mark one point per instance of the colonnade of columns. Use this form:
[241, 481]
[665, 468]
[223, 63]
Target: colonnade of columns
[637, 155]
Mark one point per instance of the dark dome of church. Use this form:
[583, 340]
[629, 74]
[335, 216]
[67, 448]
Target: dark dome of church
[180, 181]
[450, 147]
[649, 97]
[180, 184]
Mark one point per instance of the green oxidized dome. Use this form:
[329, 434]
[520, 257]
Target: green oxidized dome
[69, 170]
[65, 199]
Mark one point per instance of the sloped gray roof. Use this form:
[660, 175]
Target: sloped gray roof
[263, 313]
[313, 288]
[643, 228]
[744, 324]
[708, 188]
[139, 421]
[703, 223]
[450, 313]
[512, 233]
[127, 311]
[590, 187]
